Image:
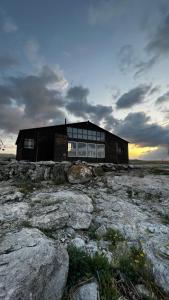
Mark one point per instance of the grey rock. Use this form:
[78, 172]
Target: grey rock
[101, 231]
[78, 242]
[88, 291]
[98, 170]
[32, 266]
[59, 174]
[13, 214]
[143, 291]
[60, 209]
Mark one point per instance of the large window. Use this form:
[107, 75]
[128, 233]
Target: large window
[100, 151]
[79, 149]
[91, 150]
[72, 149]
[79, 133]
[29, 143]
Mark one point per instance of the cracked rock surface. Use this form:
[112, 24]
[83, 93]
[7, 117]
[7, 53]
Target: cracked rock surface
[32, 266]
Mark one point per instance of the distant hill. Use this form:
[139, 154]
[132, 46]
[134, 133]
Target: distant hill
[6, 156]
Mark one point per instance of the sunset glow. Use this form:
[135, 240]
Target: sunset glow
[136, 151]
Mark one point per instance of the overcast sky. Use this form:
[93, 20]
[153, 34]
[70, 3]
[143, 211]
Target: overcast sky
[106, 61]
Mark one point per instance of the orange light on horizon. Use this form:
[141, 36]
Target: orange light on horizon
[135, 151]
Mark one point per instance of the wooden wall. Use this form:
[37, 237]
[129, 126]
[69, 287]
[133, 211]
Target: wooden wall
[51, 144]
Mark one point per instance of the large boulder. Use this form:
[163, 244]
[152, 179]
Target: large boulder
[88, 291]
[79, 173]
[32, 266]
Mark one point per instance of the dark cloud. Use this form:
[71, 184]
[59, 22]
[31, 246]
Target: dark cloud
[154, 90]
[163, 98]
[7, 62]
[158, 154]
[159, 43]
[137, 129]
[133, 97]
[127, 57]
[79, 105]
[145, 66]
[157, 47]
[29, 100]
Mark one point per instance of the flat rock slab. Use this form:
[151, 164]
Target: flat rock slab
[31, 266]
[59, 209]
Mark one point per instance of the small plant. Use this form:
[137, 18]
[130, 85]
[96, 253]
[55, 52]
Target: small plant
[114, 236]
[92, 233]
[82, 267]
[27, 187]
[47, 232]
[136, 270]
[133, 264]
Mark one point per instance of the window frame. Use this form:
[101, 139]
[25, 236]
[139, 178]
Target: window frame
[29, 143]
[77, 154]
[95, 150]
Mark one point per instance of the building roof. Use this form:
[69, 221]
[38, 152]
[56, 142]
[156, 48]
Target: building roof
[69, 124]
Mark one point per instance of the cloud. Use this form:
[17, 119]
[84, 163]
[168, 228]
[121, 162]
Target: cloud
[154, 90]
[163, 98]
[127, 57]
[27, 101]
[159, 43]
[32, 50]
[133, 97]
[79, 106]
[158, 154]
[137, 129]
[157, 47]
[9, 26]
[145, 66]
[7, 62]
[104, 10]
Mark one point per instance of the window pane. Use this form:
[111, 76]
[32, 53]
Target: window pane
[102, 136]
[81, 149]
[75, 133]
[85, 134]
[70, 131]
[91, 150]
[100, 150]
[29, 143]
[79, 131]
[80, 136]
[98, 136]
[71, 149]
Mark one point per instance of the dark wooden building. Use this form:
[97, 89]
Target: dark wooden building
[76, 141]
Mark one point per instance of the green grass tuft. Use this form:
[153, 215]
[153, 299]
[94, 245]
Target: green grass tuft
[82, 267]
[114, 236]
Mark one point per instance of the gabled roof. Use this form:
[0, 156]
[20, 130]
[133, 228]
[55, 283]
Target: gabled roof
[69, 124]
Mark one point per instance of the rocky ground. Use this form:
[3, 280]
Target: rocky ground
[102, 209]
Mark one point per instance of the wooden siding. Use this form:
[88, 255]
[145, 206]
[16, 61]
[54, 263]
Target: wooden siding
[60, 147]
[51, 144]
